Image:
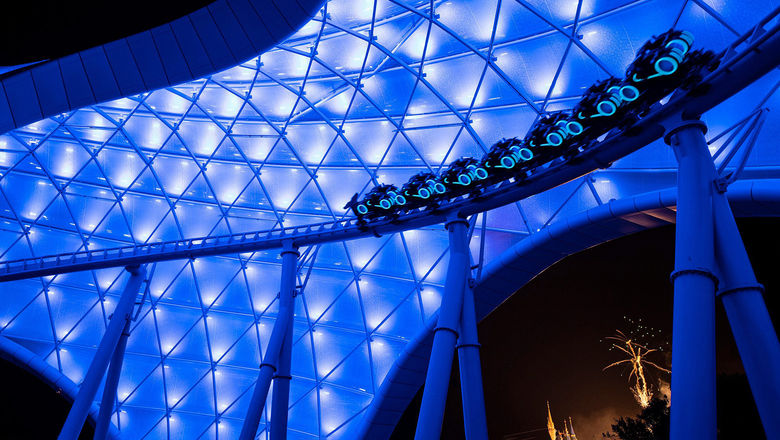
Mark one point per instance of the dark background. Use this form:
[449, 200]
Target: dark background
[30, 409]
[39, 30]
[546, 341]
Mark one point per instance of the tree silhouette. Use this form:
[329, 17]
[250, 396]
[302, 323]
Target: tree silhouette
[650, 424]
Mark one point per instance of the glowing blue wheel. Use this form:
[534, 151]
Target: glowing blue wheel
[665, 66]
[679, 45]
[605, 108]
[464, 179]
[629, 93]
[507, 162]
[554, 139]
[574, 128]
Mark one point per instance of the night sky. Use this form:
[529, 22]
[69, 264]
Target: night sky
[29, 408]
[44, 29]
[546, 341]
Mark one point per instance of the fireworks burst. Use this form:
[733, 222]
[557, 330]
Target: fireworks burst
[636, 357]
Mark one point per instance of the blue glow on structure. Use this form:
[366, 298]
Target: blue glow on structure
[246, 149]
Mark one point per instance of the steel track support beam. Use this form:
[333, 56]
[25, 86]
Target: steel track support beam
[693, 409]
[742, 297]
[109, 389]
[280, 400]
[445, 334]
[123, 313]
[475, 424]
[271, 366]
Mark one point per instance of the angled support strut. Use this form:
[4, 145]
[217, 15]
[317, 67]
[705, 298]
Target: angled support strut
[122, 315]
[109, 389]
[276, 357]
[474, 420]
[754, 334]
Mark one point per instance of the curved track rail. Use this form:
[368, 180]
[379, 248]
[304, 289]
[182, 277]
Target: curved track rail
[747, 59]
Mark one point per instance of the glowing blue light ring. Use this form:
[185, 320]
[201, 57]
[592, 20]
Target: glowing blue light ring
[687, 37]
[602, 113]
[361, 209]
[530, 153]
[682, 42]
[562, 127]
[385, 204]
[550, 143]
[626, 98]
[479, 172]
[661, 72]
[571, 124]
[615, 90]
[507, 159]
[400, 200]
[678, 54]
[460, 180]
[422, 191]
[439, 188]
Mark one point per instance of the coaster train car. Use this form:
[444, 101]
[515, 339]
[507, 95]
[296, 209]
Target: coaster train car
[663, 64]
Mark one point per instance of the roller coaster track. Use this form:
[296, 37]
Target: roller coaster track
[747, 59]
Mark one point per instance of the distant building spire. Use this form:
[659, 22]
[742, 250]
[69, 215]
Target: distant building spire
[550, 425]
[571, 426]
[565, 434]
